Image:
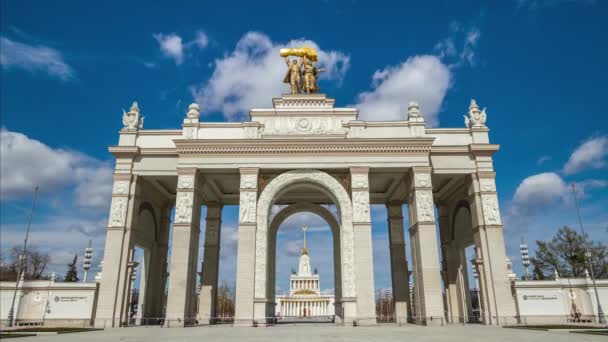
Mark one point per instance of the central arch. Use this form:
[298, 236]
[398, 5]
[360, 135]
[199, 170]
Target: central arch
[346, 307]
[276, 222]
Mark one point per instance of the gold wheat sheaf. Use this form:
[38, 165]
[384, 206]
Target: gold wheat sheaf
[310, 53]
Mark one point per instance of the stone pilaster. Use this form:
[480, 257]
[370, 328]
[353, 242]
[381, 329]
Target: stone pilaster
[246, 251]
[364, 269]
[181, 303]
[491, 254]
[113, 288]
[211, 258]
[425, 254]
[399, 269]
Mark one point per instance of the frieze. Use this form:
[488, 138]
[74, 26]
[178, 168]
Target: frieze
[300, 148]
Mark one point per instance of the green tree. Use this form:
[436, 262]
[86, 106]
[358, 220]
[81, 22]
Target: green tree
[566, 253]
[72, 274]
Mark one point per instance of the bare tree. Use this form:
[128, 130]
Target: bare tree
[34, 264]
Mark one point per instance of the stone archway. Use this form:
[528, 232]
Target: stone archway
[336, 192]
[276, 222]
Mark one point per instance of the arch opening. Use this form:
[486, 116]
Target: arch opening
[333, 193]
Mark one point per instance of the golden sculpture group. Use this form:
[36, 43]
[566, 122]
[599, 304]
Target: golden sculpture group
[302, 76]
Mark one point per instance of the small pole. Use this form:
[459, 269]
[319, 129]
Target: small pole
[600, 312]
[11, 312]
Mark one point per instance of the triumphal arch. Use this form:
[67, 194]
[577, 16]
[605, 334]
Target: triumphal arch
[305, 154]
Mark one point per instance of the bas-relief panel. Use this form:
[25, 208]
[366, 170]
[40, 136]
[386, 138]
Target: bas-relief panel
[185, 182]
[183, 207]
[491, 213]
[247, 207]
[118, 212]
[424, 206]
[121, 187]
[302, 126]
[486, 184]
[422, 179]
[361, 206]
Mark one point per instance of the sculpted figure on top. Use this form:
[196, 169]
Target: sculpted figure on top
[476, 118]
[131, 119]
[302, 76]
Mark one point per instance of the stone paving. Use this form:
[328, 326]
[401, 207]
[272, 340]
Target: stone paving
[310, 333]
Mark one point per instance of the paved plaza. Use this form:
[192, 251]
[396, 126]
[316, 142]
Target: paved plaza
[309, 333]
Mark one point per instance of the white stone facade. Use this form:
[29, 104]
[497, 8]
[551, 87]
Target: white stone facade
[303, 154]
[304, 298]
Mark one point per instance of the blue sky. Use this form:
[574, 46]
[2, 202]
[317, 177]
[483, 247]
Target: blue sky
[69, 68]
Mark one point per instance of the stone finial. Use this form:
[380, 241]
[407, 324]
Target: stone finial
[556, 274]
[587, 274]
[194, 111]
[131, 119]
[413, 111]
[53, 277]
[476, 118]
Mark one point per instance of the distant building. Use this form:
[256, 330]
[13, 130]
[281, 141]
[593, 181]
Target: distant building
[305, 298]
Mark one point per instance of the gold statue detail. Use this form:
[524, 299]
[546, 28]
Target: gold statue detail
[302, 76]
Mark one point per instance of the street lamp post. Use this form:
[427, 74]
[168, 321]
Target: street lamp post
[22, 258]
[600, 312]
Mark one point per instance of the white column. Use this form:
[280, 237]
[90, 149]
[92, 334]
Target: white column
[211, 259]
[399, 271]
[113, 289]
[423, 237]
[184, 250]
[364, 269]
[245, 265]
[489, 240]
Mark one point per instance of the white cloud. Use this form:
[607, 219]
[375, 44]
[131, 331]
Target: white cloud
[540, 190]
[589, 155]
[171, 46]
[34, 59]
[252, 74]
[201, 40]
[456, 57]
[424, 79]
[27, 162]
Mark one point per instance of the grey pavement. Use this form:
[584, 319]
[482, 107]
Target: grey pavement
[309, 333]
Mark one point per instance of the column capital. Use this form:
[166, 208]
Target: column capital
[187, 171]
[359, 170]
[249, 170]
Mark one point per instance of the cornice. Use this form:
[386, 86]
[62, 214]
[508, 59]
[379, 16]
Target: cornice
[303, 146]
[483, 149]
[124, 151]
